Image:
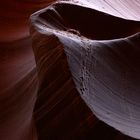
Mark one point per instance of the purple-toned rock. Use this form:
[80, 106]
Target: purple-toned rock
[102, 68]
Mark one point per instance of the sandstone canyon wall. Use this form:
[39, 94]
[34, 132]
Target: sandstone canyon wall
[78, 69]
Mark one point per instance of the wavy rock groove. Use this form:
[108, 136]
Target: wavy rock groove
[18, 80]
[91, 60]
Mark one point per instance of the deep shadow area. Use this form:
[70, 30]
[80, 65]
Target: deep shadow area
[88, 22]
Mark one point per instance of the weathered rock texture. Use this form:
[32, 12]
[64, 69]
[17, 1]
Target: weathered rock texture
[103, 55]
[47, 99]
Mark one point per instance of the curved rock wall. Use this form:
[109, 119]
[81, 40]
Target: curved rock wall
[41, 96]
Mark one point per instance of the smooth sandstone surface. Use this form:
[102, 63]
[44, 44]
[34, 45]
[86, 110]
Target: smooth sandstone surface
[103, 58]
[14, 15]
[40, 98]
[18, 80]
[121, 8]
